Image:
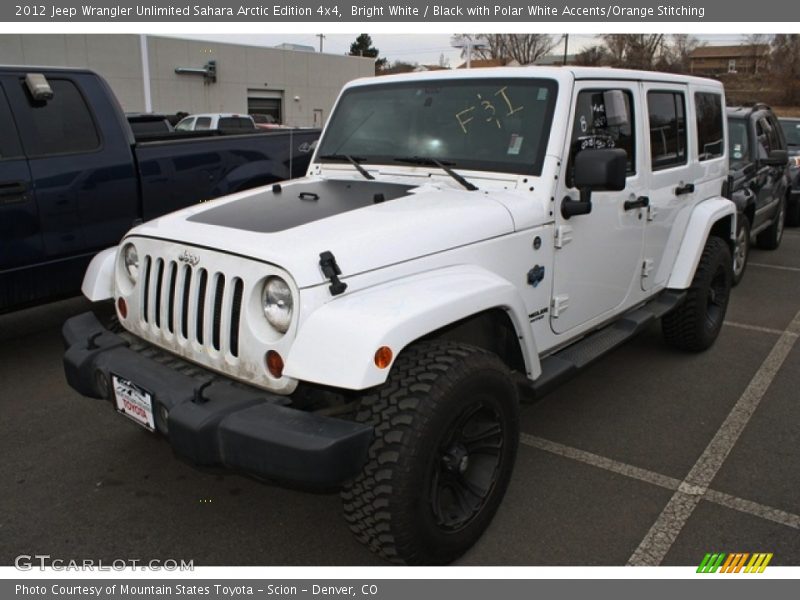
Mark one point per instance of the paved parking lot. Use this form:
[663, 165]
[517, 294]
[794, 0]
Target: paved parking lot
[648, 457]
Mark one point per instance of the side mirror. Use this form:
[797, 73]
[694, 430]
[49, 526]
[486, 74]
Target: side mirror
[38, 87]
[602, 170]
[776, 158]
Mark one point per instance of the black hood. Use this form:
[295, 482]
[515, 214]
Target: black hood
[291, 205]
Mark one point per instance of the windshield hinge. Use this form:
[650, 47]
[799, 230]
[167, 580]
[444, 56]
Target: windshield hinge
[327, 262]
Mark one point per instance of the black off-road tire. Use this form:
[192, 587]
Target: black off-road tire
[741, 250]
[697, 321]
[770, 238]
[397, 505]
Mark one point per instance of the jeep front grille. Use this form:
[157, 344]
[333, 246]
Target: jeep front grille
[201, 306]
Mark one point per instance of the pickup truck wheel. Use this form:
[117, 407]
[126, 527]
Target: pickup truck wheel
[741, 249]
[771, 237]
[696, 322]
[446, 434]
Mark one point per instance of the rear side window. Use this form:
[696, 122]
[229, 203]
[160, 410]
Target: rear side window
[9, 142]
[667, 116]
[235, 123]
[202, 123]
[709, 125]
[597, 126]
[63, 124]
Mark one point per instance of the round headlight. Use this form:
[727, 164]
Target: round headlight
[278, 304]
[130, 258]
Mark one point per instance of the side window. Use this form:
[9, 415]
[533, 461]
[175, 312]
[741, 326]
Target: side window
[708, 108]
[63, 124]
[603, 119]
[235, 123]
[9, 141]
[185, 124]
[202, 123]
[667, 129]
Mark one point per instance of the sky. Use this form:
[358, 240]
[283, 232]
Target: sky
[412, 48]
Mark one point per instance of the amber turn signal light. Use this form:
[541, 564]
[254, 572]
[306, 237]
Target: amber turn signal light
[383, 357]
[122, 307]
[274, 364]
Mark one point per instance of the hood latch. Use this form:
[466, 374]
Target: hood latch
[327, 261]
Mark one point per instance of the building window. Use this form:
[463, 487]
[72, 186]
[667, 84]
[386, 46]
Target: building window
[732, 65]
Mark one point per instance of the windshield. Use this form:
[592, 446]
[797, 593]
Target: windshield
[791, 127]
[481, 124]
[738, 140]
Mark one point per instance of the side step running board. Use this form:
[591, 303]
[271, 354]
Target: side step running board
[561, 366]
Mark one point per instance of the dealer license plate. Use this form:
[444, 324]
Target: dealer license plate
[134, 402]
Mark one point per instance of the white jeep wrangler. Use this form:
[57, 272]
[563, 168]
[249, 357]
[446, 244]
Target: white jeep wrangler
[462, 239]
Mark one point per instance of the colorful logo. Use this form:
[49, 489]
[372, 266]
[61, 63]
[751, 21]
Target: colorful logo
[735, 562]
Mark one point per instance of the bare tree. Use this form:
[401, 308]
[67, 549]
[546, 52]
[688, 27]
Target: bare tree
[758, 44]
[635, 50]
[677, 54]
[593, 56]
[785, 66]
[525, 48]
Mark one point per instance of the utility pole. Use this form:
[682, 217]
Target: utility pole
[566, 47]
[321, 37]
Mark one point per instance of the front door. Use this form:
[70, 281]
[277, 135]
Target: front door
[20, 234]
[597, 256]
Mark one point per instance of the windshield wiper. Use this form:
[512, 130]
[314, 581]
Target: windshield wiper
[443, 165]
[353, 160]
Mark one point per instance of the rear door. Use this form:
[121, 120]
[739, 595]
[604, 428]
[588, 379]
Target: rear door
[20, 236]
[673, 180]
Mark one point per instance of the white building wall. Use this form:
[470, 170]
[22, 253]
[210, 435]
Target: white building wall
[306, 80]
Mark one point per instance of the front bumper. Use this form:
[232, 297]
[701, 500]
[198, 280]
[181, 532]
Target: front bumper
[213, 421]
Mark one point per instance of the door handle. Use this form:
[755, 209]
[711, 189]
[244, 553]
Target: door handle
[684, 189]
[640, 202]
[16, 188]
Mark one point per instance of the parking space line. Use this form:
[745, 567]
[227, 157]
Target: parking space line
[608, 464]
[754, 328]
[778, 267]
[601, 462]
[663, 533]
[754, 508]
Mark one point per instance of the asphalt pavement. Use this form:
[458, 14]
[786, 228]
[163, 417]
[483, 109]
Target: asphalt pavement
[650, 456]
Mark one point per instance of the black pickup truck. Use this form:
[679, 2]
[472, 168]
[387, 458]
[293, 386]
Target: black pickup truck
[758, 180]
[74, 178]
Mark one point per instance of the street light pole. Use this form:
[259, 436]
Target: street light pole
[566, 47]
